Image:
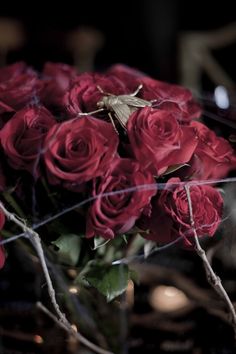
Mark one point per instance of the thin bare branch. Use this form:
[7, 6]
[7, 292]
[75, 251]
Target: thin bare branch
[213, 279]
[36, 242]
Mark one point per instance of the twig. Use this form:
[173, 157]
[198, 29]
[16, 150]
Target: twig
[36, 242]
[71, 331]
[213, 279]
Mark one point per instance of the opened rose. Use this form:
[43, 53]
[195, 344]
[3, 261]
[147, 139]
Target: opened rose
[158, 141]
[19, 85]
[79, 150]
[22, 138]
[128, 189]
[170, 219]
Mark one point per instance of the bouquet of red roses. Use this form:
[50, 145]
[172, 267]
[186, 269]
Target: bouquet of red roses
[95, 161]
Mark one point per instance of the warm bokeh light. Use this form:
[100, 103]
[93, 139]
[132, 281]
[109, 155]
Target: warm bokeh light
[38, 339]
[74, 327]
[73, 290]
[130, 293]
[72, 273]
[168, 298]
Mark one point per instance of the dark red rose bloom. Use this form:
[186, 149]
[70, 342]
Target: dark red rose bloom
[22, 138]
[170, 218]
[173, 98]
[117, 213]
[84, 94]
[158, 140]
[57, 78]
[19, 85]
[2, 254]
[213, 158]
[79, 150]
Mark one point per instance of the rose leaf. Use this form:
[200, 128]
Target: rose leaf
[110, 280]
[67, 248]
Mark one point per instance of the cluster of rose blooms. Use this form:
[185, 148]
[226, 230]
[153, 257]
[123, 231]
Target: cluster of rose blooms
[42, 134]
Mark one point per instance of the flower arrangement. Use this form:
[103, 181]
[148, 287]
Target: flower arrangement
[102, 164]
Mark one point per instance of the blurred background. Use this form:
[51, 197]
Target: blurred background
[143, 34]
[173, 310]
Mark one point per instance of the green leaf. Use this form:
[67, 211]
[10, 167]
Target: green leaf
[68, 248]
[125, 238]
[99, 242]
[174, 168]
[110, 280]
[133, 275]
[148, 247]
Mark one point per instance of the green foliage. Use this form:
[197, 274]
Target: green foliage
[67, 248]
[109, 280]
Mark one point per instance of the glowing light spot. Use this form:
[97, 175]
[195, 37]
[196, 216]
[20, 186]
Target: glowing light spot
[38, 339]
[168, 298]
[130, 293]
[72, 273]
[74, 327]
[73, 290]
[221, 97]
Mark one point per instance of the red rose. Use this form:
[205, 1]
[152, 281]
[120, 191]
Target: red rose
[173, 98]
[79, 150]
[158, 140]
[213, 158]
[84, 94]
[127, 75]
[2, 254]
[22, 138]
[117, 213]
[57, 78]
[19, 85]
[170, 218]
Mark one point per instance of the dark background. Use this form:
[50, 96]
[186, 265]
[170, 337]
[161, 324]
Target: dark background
[142, 34]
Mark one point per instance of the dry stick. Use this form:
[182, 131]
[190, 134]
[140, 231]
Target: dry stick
[36, 242]
[71, 331]
[213, 279]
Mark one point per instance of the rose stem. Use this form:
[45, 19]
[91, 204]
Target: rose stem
[36, 242]
[12, 202]
[212, 278]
